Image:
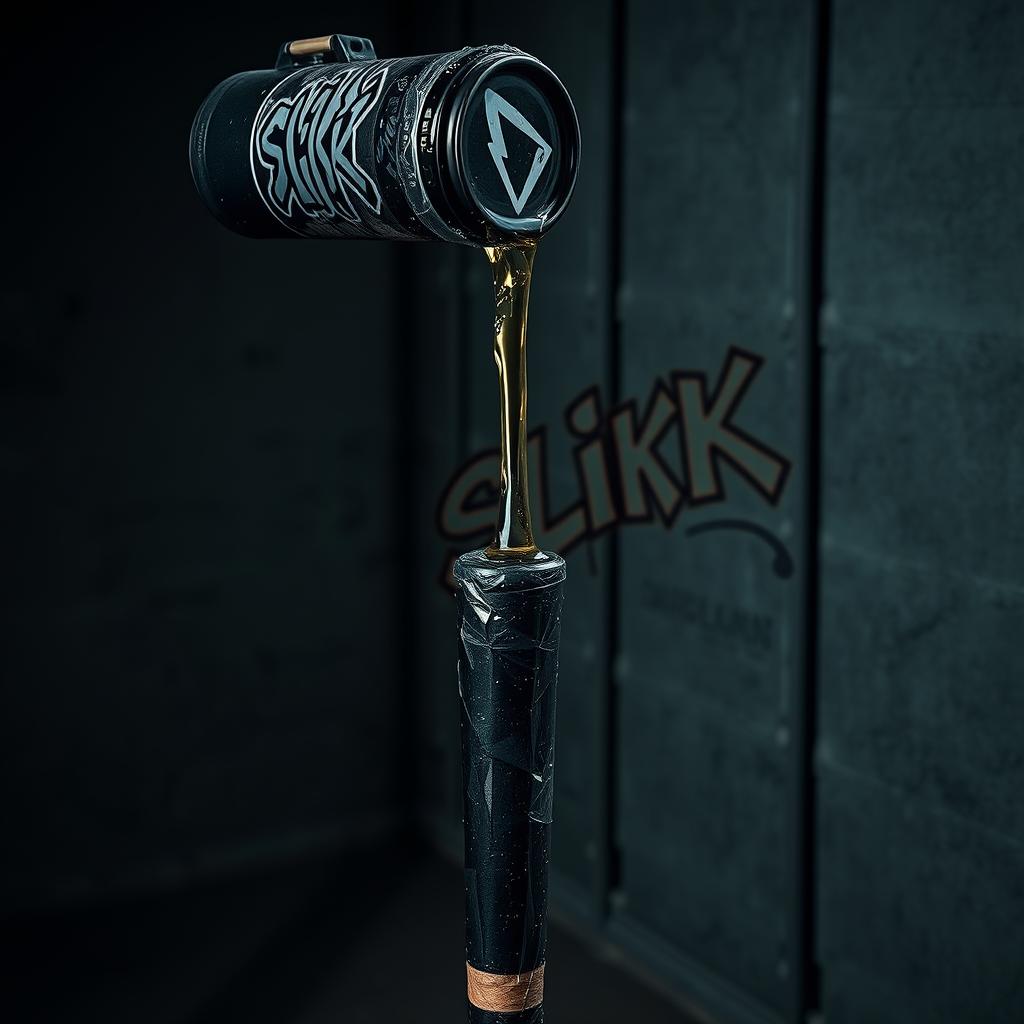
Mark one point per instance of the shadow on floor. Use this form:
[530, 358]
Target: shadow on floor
[364, 939]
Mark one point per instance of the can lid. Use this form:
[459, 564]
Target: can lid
[513, 145]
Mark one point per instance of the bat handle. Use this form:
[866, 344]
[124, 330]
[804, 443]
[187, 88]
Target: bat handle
[509, 624]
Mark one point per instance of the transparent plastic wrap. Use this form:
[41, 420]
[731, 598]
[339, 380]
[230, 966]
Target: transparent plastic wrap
[509, 625]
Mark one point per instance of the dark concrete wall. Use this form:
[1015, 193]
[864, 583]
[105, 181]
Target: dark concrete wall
[198, 494]
[716, 111]
[921, 887]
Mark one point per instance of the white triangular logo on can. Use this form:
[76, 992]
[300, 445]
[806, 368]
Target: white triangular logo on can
[497, 107]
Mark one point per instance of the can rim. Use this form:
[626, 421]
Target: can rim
[464, 201]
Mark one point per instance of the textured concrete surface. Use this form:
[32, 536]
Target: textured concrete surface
[710, 634]
[197, 522]
[378, 936]
[919, 756]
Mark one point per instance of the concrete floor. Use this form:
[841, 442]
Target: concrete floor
[360, 940]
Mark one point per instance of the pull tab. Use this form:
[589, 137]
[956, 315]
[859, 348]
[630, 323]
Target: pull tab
[334, 49]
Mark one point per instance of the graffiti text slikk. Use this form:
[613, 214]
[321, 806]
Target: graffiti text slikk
[623, 474]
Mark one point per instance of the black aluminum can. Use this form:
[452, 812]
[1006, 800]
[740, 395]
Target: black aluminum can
[478, 146]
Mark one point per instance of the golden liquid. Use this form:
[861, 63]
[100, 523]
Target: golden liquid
[512, 266]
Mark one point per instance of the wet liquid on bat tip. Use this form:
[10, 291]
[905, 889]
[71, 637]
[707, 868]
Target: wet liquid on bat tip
[512, 267]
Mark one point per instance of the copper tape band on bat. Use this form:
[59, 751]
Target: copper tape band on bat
[505, 993]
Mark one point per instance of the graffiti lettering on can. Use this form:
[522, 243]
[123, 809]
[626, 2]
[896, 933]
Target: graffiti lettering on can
[304, 150]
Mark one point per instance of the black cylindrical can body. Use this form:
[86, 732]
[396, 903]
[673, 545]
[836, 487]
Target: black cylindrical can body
[509, 624]
[474, 146]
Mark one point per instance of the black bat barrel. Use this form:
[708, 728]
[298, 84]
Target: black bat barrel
[476, 146]
[509, 624]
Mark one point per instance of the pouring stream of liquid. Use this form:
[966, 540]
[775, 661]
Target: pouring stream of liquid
[512, 266]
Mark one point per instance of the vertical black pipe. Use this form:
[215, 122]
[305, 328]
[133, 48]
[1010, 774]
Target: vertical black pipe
[812, 283]
[610, 866]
